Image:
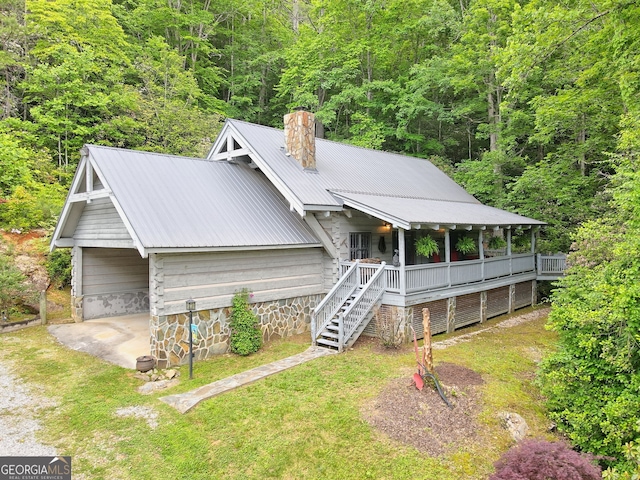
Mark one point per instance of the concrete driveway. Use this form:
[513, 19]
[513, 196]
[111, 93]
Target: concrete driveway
[118, 340]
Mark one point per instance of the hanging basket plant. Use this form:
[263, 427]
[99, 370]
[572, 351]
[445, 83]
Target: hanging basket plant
[466, 245]
[426, 246]
[497, 243]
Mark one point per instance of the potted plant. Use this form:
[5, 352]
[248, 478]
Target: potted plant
[427, 246]
[465, 245]
[496, 243]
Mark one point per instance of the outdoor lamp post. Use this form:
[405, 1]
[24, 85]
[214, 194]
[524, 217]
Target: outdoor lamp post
[191, 306]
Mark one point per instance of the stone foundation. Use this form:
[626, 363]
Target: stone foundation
[277, 319]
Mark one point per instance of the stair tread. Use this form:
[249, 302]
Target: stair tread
[329, 334]
[330, 343]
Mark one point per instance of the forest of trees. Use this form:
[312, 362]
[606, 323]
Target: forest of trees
[532, 105]
[521, 102]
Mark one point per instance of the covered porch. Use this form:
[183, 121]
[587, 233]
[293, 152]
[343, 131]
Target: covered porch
[428, 279]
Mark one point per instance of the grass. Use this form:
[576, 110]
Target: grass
[304, 423]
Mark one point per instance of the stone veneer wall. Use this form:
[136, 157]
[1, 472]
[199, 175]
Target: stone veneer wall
[278, 319]
[300, 137]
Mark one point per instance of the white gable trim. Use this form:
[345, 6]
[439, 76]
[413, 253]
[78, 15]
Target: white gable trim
[227, 136]
[393, 220]
[84, 177]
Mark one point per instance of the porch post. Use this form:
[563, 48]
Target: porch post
[447, 246]
[533, 241]
[481, 252]
[401, 253]
[447, 254]
[509, 241]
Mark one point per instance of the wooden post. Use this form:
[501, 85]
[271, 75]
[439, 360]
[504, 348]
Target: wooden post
[401, 255]
[43, 307]
[428, 355]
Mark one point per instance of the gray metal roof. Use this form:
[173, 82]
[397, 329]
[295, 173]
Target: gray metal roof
[410, 189]
[343, 167]
[408, 212]
[186, 202]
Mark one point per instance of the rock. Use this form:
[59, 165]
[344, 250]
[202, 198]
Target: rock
[142, 376]
[35, 272]
[170, 374]
[152, 387]
[514, 424]
[155, 378]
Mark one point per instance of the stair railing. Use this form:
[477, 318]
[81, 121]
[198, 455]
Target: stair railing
[363, 303]
[333, 301]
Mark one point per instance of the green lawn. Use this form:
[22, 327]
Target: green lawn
[305, 423]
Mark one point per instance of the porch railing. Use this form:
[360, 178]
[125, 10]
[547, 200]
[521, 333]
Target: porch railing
[372, 290]
[331, 303]
[552, 264]
[434, 276]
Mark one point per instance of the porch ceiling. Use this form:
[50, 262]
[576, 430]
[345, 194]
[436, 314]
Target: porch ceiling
[409, 212]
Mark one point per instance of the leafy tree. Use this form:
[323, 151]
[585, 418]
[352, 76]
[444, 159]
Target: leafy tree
[28, 184]
[169, 118]
[12, 53]
[558, 194]
[592, 381]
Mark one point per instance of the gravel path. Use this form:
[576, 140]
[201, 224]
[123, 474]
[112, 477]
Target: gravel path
[18, 404]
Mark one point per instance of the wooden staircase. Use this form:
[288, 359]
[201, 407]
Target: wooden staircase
[345, 312]
[330, 336]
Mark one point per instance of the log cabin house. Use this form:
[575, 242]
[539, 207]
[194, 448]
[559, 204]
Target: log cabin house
[322, 234]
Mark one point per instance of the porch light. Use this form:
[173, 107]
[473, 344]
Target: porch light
[191, 305]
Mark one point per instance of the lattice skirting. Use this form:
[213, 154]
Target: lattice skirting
[457, 312]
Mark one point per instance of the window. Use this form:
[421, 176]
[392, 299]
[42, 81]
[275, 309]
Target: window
[360, 245]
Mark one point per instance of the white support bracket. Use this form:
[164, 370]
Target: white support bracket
[322, 235]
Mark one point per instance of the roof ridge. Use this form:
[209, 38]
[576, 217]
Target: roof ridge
[159, 154]
[410, 197]
[336, 142]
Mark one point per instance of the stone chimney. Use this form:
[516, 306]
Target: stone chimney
[300, 137]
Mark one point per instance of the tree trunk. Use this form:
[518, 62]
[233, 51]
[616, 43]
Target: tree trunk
[295, 17]
[582, 139]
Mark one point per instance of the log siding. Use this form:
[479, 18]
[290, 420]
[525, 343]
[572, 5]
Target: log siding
[213, 278]
[101, 221]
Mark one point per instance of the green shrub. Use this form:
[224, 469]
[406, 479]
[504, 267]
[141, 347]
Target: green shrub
[246, 337]
[59, 267]
[13, 287]
[27, 209]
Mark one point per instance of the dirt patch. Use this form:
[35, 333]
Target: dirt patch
[421, 418]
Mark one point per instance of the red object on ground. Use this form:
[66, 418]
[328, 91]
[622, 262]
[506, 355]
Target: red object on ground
[417, 379]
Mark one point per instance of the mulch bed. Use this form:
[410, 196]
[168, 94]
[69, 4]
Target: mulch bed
[421, 418]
